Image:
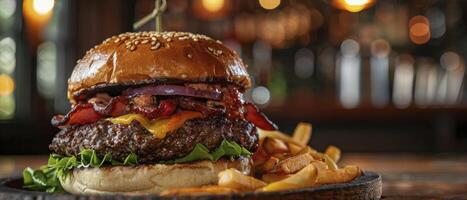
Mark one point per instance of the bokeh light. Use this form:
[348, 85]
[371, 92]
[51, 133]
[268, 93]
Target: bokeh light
[380, 48]
[7, 55]
[437, 22]
[213, 5]
[7, 8]
[7, 106]
[46, 69]
[269, 4]
[352, 5]
[7, 85]
[450, 60]
[419, 29]
[261, 95]
[43, 7]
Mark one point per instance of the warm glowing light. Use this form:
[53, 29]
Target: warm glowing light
[419, 29]
[269, 4]
[213, 5]
[7, 85]
[43, 6]
[352, 5]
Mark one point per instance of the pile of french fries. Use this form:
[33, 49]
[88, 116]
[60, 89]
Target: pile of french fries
[282, 163]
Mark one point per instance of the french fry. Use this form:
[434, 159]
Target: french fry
[342, 175]
[319, 165]
[273, 177]
[334, 153]
[293, 164]
[304, 178]
[270, 164]
[330, 163]
[231, 178]
[302, 133]
[274, 146]
[211, 189]
[259, 157]
[295, 149]
[278, 135]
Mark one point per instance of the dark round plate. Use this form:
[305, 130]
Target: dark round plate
[367, 186]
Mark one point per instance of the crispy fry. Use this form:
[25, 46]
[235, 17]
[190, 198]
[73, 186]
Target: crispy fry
[304, 178]
[270, 164]
[319, 165]
[283, 163]
[274, 146]
[232, 178]
[259, 157]
[342, 175]
[211, 189]
[269, 178]
[295, 149]
[278, 135]
[302, 133]
[293, 164]
[329, 162]
[334, 153]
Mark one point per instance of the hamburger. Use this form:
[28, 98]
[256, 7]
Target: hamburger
[152, 111]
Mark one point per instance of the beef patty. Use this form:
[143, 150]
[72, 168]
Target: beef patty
[121, 140]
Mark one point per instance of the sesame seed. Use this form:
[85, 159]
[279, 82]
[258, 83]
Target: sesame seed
[153, 38]
[117, 40]
[218, 52]
[195, 39]
[132, 48]
[210, 49]
[144, 41]
[189, 56]
[169, 39]
[153, 43]
[136, 42]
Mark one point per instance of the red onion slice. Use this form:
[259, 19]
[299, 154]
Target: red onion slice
[170, 90]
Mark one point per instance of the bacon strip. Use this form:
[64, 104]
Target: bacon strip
[165, 108]
[256, 117]
[86, 113]
[79, 115]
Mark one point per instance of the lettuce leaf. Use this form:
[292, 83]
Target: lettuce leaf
[201, 152]
[47, 177]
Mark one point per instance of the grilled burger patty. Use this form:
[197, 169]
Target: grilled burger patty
[121, 140]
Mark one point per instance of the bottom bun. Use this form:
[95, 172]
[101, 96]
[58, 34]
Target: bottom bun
[148, 179]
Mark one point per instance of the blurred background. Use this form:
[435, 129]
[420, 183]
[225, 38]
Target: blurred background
[370, 75]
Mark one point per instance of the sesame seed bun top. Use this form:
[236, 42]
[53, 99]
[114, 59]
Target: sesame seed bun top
[156, 57]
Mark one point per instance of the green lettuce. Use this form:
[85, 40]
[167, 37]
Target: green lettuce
[201, 152]
[47, 177]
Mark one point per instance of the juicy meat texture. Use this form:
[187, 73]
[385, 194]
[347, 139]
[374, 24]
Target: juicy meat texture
[121, 140]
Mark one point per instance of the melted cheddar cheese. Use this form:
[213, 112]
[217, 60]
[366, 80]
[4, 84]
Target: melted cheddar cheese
[161, 126]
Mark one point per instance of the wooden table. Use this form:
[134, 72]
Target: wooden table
[405, 176]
